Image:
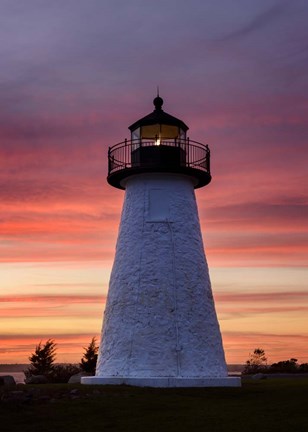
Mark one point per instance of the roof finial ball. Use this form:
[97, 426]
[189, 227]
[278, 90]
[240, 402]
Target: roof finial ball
[158, 102]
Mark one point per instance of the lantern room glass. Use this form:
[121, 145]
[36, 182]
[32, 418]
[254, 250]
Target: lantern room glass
[158, 133]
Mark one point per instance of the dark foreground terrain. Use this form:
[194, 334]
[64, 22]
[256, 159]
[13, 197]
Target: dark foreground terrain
[265, 405]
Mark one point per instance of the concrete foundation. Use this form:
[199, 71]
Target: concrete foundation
[164, 382]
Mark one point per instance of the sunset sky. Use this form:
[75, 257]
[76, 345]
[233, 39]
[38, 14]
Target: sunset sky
[74, 74]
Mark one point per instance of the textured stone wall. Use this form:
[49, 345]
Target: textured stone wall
[160, 318]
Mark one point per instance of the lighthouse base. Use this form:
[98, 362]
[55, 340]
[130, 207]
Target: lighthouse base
[164, 382]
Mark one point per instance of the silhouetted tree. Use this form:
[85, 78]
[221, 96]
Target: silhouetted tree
[42, 360]
[286, 366]
[257, 362]
[303, 368]
[89, 360]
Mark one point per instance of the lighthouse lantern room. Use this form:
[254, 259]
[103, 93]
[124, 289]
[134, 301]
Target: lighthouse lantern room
[160, 327]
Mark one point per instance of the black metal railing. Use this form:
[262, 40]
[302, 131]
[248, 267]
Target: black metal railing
[125, 155]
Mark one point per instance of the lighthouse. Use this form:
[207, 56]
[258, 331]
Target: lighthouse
[160, 327]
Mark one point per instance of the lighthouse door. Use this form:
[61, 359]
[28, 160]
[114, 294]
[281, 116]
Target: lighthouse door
[158, 205]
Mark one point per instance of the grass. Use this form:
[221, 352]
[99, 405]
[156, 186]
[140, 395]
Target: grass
[266, 405]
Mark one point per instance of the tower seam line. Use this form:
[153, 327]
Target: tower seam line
[137, 295]
[177, 348]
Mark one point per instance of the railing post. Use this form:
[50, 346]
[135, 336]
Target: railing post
[125, 152]
[188, 151]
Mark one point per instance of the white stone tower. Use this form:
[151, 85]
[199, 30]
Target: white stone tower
[160, 327]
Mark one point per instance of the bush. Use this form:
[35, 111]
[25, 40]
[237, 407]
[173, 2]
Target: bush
[61, 373]
[286, 366]
[303, 368]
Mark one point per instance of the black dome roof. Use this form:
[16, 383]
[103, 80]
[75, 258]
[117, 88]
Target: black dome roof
[158, 116]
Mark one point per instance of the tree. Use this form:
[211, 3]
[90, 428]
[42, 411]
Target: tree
[303, 368]
[89, 360]
[257, 362]
[285, 366]
[42, 360]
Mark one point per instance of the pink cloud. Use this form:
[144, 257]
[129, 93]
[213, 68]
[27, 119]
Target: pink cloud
[24, 306]
[238, 345]
[62, 299]
[244, 297]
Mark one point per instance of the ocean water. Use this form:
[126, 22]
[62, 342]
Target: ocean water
[19, 376]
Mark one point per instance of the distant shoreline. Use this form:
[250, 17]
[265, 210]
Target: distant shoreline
[17, 367]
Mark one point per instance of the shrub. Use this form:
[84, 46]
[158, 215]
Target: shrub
[303, 368]
[61, 373]
[286, 366]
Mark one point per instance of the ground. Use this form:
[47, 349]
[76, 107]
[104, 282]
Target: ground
[264, 405]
